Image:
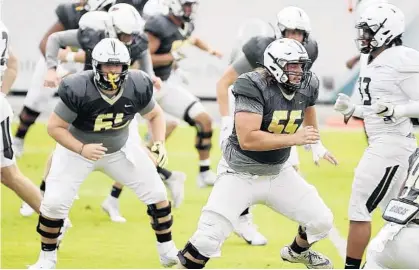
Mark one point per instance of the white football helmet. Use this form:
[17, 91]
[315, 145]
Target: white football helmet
[179, 8]
[293, 18]
[92, 5]
[126, 19]
[379, 25]
[110, 51]
[278, 55]
[98, 21]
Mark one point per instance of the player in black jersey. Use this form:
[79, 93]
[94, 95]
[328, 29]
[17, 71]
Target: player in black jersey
[271, 105]
[91, 126]
[168, 34]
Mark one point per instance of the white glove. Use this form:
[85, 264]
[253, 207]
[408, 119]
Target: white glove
[178, 55]
[226, 128]
[160, 153]
[385, 110]
[319, 152]
[344, 105]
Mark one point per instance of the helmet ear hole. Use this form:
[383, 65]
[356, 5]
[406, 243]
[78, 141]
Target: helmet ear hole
[272, 68]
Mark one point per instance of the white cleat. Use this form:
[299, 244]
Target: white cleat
[176, 185]
[47, 260]
[25, 210]
[247, 230]
[67, 225]
[18, 147]
[205, 179]
[111, 206]
[310, 258]
[168, 253]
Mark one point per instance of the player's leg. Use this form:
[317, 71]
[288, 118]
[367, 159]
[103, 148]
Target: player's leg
[378, 178]
[218, 217]
[134, 169]
[34, 102]
[68, 171]
[182, 104]
[294, 198]
[294, 159]
[111, 204]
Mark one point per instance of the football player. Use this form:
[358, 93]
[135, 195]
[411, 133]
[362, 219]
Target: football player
[396, 246]
[388, 87]
[91, 126]
[270, 106]
[68, 15]
[167, 35]
[292, 22]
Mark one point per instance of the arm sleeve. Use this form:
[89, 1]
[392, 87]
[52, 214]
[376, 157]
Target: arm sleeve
[242, 65]
[246, 104]
[64, 112]
[59, 40]
[410, 86]
[146, 64]
[149, 107]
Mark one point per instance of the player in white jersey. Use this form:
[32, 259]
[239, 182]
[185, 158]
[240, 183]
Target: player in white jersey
[397, 244]
[389, 90]
[10, 174]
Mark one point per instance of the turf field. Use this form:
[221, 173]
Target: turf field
[95, 242]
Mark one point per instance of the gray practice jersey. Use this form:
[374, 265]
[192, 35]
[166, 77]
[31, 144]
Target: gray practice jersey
[87, 40]
[253, 53]
[97, 118]
[280, 116]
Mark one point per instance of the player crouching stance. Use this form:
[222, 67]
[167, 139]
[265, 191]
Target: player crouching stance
[269, 108]
[90, 125]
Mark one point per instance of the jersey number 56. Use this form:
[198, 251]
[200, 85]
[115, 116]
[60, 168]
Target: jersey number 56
[285, 122]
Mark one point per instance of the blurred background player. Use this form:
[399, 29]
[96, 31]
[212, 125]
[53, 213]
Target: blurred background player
[90, 124]
[255, 164]
[389, 97]
[167, 35]
[292, 22]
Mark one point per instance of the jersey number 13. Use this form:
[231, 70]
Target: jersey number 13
[364, 90]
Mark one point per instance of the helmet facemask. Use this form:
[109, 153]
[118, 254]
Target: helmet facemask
[366, 41]
[184, 9]
[109, 81]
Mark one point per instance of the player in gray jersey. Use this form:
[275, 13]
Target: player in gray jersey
[270, 107]
[292, 22]
[396, 246]
[90, 124]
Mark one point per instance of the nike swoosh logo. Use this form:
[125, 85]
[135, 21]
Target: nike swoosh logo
[301, 102]
[127, 106]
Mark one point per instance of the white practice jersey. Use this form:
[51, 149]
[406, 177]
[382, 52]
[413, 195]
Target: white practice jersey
[4, 50]
[386, 78]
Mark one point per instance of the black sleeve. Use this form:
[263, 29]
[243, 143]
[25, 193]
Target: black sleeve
[88, 38]
[244, 86]
[155, 26]
[68, 15]
[312, 50]
[314, 90]
[139, 45]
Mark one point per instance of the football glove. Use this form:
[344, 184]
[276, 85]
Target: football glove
[385, 110]
[319, 152]
[160, 153]
[344, 105]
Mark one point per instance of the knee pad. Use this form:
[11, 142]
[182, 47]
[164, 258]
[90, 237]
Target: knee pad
[50, 224]
[156, 213]
[198, 261]
[319, 228]
[28, 116]
[212, 231]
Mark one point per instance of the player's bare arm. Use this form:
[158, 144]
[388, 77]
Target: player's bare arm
[58, 129]
[205, 47]
[253, 139]
[67, 55]
[158, 59]
[57, 27]
[228, 78]
[10, 74]
[157, 123]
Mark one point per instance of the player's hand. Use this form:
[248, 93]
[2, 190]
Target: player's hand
[157, 82]
[160, 153]
[93, 151]
[319, 151]
[385, 110]
[307, 135]
[226, 128]
[216, 53]
[178, 55]
[62, 54]
[51, 79]
[344, 105]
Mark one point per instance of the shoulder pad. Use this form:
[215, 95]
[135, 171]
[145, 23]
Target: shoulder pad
[408, 60]
[312, 89]
[312, 49]
[88, 38]
[157, 25]
[248, 85]
[72, 89]
[68, 15]
[254, 49]
[139, 45]
[143, 85]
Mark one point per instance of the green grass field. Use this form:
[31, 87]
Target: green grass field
[95, 242]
